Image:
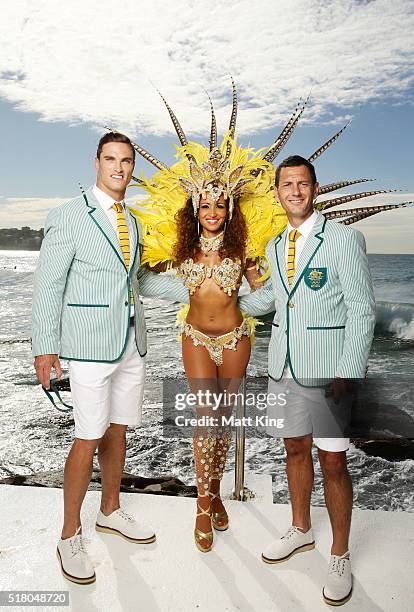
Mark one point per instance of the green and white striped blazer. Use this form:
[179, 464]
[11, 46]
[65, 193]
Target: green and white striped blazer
[324, 323]
[81, 300]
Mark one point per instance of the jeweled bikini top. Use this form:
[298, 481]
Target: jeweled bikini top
[226, 275]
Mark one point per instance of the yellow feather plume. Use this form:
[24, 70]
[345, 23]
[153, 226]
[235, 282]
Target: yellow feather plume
[265, 218]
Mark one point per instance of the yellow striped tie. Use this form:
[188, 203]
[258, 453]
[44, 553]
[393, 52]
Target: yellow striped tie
[293, 236]
[123, 236]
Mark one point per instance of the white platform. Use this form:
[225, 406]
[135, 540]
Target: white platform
[171, 575]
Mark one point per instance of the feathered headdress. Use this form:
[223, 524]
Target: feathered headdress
[216, 178]
[231, 171]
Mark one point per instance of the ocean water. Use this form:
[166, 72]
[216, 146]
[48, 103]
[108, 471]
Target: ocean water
[35, 437]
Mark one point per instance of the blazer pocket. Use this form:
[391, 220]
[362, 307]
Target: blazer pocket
[315, 327]
[88, 305]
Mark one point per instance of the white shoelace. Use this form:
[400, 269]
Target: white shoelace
[77, 544]
[125, 516]
[337, 565]
[291, 531]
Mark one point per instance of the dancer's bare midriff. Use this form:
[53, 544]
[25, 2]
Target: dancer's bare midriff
[212, 311]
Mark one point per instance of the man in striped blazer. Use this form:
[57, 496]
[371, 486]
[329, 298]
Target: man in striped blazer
[87, 309]
[320, 289]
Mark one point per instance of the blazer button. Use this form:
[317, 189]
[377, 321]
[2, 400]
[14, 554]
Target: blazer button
[291, 305]
[286, 331]
[126, 303]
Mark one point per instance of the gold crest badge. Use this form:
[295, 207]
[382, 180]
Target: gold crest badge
[315, 278]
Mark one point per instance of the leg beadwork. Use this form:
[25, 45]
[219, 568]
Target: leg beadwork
[203, 448]
[219, 517]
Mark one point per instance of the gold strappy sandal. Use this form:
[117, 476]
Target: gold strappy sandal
[219, 520]
[201, 535]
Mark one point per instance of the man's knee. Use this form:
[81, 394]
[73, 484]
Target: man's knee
[333, 464]
[298, 447]
[115, 436]
[116, 430]
[86, 446]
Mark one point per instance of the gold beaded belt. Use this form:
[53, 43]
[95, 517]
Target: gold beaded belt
[215, 345]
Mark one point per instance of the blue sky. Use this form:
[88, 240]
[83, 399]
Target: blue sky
[63, 74]
[47, 159]
[42, 163]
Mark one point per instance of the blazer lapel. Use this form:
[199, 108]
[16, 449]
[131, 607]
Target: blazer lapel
[312, 244]
[100, 218]
[280, 246]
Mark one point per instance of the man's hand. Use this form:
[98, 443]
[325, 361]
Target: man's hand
[43, 365]
[341, 387]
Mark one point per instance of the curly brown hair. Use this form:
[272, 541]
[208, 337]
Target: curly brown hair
[235, 236]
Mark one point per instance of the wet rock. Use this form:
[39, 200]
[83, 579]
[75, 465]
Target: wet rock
[163, 485]
[391, 450]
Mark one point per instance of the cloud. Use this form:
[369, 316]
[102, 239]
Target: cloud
[94, 61]
[32, 212]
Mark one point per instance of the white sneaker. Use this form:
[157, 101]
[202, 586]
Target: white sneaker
[123, 524]
[338, 586]
[74, 561]
[294, 541]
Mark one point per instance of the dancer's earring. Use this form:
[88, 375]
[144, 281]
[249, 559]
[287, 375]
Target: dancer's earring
[198, 227]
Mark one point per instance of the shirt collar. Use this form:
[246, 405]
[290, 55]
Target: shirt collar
[306, 227]
[103, 198]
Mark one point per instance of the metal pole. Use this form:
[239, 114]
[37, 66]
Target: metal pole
[240, 445]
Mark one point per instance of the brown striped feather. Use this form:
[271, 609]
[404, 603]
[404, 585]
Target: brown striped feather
[213, 128]
[327, 144]
[338, 214]
[233, 117]
[143, 152]
[340, 185]
[356, 218]
[350, 198]
[179, 130]
[286, 133]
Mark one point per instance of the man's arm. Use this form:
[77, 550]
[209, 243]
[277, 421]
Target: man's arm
[355, 278]
[259, 302]
[163, 286]
[55, 259]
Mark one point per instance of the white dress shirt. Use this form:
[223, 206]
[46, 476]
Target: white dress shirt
[304, 230]
[106, 203]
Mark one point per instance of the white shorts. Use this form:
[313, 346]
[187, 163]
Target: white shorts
[308, 411]
[105, 393]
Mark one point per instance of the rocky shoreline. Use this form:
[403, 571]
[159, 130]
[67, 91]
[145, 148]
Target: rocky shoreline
[130, 483]
[392, 450]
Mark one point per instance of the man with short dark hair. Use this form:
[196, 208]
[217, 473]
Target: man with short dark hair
[87, 309]
[296, 161]
[114, 137]
[321, 290]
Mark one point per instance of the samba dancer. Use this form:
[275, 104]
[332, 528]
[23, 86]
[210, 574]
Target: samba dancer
[211, 215]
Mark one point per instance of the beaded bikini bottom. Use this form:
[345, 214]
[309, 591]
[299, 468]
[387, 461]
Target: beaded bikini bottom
[215, 345]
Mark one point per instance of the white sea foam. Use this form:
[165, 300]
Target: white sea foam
[396, 319]
[402, 329]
